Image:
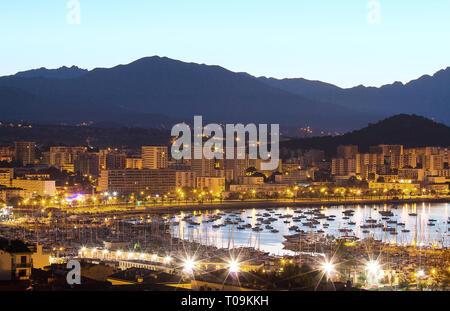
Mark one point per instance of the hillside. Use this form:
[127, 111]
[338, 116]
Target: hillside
[81, 135]
[408, 130]
[178, 90]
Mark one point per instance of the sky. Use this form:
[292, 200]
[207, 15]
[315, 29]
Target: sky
[344, 42]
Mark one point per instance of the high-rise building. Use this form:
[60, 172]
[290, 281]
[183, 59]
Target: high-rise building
[6, 175]
[24, 152]
[213, 184]
[185, 179]
[155, 157]
[160, 181]
[343, 167]
[36, 187]
[87, 164]
[203, 167]
[347, 151]
[115, 161]
[433, 162]
[134, 163]
[61, 156]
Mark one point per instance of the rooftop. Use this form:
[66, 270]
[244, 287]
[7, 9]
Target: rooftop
[13, 246]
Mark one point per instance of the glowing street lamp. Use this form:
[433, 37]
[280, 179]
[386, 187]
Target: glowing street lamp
[189, 265]
[167, 259]
[233, 266]
[328, 268]
[373, 267]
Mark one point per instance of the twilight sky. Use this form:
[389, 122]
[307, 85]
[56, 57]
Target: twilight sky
[338, 41]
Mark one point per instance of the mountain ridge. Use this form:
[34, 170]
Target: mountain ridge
[178, 90]
[181, 90]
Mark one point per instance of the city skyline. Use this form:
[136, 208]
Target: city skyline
[339, 43]
[161, 146]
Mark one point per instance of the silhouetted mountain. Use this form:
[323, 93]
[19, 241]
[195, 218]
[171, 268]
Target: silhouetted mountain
[301, 86]
[60, 73]
[157, 90]
[407, 130]
[181, 90]
[18, 105]
[428, 95]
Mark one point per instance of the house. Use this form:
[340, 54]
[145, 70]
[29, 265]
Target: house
[15, 260]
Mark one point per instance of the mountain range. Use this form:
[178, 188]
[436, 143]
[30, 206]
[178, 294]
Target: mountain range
[158, 92]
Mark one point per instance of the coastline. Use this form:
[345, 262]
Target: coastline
[277, 203]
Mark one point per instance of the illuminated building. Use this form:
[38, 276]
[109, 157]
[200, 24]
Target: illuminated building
[130, 181]
[134, 163]
[6, 175]
[87, 164]
[36, 187]
[24, 152]
[185, 179]
[295, 177]
[155, 157]
[214, 184]
[15, 260]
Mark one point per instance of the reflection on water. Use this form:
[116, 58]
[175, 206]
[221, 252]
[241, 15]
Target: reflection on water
[429, 227]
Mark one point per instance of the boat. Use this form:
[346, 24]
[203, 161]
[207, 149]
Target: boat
[274, 231]
[386, 213]
[345, 230]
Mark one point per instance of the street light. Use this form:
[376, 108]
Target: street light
[233, 266]
[189, 265]
[373, 267]
[328, 268]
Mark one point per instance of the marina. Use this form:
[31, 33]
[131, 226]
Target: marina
[407, 224]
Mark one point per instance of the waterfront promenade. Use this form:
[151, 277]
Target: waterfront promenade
[244, 204]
